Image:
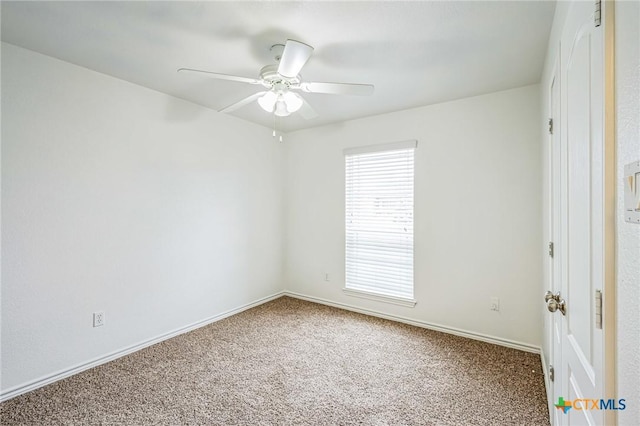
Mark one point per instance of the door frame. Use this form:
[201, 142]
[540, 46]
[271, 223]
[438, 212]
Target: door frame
[610, 202]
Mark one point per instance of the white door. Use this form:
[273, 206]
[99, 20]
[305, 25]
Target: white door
[580, 371]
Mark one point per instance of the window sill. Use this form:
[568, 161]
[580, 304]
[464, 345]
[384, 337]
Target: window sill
[410, 303]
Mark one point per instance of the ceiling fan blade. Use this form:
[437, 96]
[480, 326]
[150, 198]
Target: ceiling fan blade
[306, 111]
[222, 76]
[243, 102]
[338, 88]
[294, 56]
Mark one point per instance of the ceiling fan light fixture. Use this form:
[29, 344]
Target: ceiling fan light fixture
[268, 101]
[281, 107]
[293, 101]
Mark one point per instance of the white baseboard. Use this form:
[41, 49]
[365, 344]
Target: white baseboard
[59, 375]
[54, 377]
[437, 327]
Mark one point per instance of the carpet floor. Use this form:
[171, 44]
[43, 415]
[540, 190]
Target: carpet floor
[291, 362]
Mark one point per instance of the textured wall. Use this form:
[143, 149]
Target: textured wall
[119, 198]
[628, 235]
[477, 203]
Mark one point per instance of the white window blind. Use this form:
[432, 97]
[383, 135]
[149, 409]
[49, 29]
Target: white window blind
[379, 219]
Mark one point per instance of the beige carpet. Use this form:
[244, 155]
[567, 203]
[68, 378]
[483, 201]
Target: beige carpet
[290, 362]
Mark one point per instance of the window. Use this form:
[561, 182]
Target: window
[379, 221]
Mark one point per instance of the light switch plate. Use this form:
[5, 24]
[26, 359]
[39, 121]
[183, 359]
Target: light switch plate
[632, 192]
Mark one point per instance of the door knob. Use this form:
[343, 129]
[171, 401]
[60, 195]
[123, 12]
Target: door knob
[550, 296]
[554, 305]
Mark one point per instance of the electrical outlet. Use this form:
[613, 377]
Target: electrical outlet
[98, 319]
[326, 276]
[495, 304]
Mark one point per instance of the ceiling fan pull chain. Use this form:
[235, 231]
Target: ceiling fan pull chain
[275, 118]
[274, 126]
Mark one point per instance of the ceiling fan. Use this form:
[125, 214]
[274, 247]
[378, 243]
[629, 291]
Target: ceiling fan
[282, 79]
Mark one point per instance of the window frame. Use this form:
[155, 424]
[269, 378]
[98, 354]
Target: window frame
[373, 295]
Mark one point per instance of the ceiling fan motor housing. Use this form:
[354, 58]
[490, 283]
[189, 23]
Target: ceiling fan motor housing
[271, 79]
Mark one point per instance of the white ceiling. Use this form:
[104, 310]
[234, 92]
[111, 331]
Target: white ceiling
[415, 53]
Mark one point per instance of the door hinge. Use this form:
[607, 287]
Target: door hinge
[552, 373]
[550, 248]
[598, 309]
[551, 126]
[597, 15]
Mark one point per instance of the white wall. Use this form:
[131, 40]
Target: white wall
[477, 204]
[627, 62]
[122, 199]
